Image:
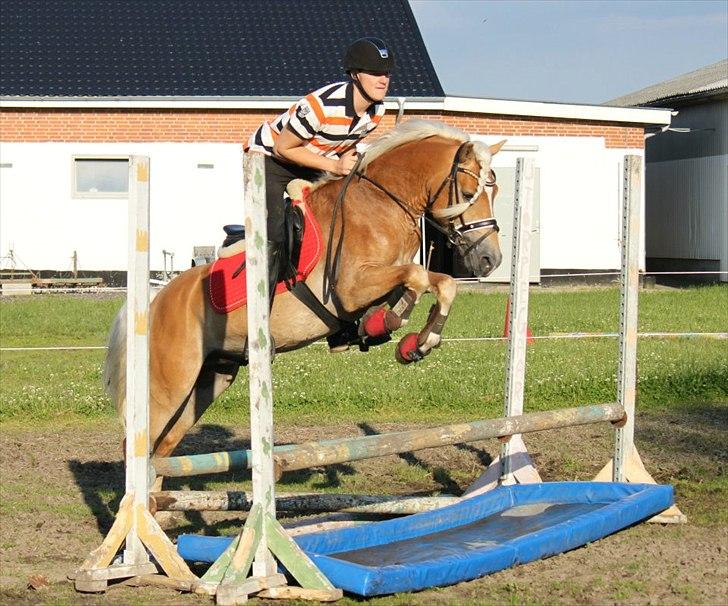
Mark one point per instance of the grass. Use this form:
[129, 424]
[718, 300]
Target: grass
[461, 380]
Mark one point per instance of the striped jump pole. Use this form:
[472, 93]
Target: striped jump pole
[329, 452]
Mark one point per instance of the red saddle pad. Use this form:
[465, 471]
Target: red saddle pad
[227, 293]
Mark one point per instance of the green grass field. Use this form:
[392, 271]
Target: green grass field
[462, 380]
[63, 478]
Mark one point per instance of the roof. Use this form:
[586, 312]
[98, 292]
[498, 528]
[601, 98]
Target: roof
[193, 48]
[704, 82]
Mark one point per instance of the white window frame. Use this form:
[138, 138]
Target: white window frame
[96, 194]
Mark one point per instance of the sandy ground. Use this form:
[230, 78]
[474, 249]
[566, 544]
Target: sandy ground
[61, 487]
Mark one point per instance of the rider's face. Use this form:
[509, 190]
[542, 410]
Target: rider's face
[375, 84]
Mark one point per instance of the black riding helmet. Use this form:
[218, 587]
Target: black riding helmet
[369, 55]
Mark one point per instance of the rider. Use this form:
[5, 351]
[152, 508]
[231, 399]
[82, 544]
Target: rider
[320, 132]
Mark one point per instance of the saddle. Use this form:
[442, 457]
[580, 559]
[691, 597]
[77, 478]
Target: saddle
[302, 248]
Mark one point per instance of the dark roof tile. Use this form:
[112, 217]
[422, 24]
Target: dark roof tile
[190, 48]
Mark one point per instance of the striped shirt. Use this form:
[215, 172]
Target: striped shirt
[324, 119]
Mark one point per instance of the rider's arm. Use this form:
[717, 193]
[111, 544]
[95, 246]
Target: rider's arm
[290, 148]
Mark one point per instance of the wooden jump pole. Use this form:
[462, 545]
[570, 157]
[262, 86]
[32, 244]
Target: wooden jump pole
[329, 452]
[134, 526]
[300, 503]
[522, 470]
[629, 293]
[513, 464]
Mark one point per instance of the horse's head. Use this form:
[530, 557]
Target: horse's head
[462, 204]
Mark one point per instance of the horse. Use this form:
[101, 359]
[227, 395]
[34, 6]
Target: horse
[418, 168]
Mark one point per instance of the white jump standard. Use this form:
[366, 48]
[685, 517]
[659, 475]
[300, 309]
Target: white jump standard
[135, 527]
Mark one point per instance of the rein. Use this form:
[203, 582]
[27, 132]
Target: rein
[332, 264]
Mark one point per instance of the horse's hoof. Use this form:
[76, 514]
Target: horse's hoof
[407, 349]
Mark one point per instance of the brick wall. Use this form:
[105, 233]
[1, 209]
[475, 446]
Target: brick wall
[234, 126]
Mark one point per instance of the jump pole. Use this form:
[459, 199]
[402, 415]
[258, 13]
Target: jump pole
[262, 540]
[134, 526]
[329, 452]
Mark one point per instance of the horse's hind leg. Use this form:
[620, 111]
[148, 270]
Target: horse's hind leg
[211, 382]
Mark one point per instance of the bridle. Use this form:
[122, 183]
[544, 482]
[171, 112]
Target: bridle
[454, 210]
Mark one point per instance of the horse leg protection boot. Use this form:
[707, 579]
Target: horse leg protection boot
[413, 346]
[380, 321]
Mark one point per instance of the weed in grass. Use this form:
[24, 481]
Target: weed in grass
[573, 468]
[634, 567]
[411, 474]
[568, 587]
[686, 591]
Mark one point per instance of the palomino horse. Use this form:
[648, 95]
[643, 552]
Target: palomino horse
[418, 168]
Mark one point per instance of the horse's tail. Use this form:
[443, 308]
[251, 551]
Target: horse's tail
[113, 376]
[114, 373]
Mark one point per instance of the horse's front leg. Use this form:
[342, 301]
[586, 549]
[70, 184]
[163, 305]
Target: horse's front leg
[416, 281]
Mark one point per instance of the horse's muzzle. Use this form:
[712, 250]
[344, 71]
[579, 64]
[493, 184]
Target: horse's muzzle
[483, 259]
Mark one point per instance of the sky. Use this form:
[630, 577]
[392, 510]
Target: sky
[569, 51]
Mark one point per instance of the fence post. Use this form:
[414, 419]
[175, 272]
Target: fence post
[137, 348]
[628, 319]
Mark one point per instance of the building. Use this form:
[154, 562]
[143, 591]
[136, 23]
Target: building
[687, 173]
[86, 83]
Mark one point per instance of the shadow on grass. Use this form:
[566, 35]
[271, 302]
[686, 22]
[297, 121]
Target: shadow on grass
[439, 475]
[95, 479]
[687, 430]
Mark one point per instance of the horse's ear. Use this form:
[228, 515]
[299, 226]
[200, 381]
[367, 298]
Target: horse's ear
[494, 149]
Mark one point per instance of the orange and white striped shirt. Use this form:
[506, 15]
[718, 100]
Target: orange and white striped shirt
[325, 119]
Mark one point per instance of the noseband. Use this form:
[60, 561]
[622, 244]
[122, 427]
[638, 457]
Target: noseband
[454, 210]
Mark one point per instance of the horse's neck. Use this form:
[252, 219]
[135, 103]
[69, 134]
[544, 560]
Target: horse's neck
[405, 173]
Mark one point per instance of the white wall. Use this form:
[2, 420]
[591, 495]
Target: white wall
[44, 224]
[580, 199]
[580, 202]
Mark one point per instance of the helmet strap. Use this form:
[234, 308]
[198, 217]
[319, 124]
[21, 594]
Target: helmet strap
[360, 88]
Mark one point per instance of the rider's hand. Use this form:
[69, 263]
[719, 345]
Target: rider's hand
[346, 163]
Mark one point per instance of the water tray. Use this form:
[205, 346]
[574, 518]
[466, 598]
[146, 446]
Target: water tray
[507, 526]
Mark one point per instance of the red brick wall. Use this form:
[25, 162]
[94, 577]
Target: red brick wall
[234, 126]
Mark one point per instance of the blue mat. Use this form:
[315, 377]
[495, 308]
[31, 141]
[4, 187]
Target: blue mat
[507, 526]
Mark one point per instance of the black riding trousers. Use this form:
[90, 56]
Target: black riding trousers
[278, 175]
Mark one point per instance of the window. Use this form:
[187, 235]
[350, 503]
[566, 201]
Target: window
[100, 177]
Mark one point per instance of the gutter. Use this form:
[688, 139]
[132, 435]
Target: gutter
[504, 107]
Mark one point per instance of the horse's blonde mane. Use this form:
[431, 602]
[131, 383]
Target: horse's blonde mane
[412, 130]
[415, 130]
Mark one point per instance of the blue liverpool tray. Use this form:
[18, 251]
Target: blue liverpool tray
[507, 526]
